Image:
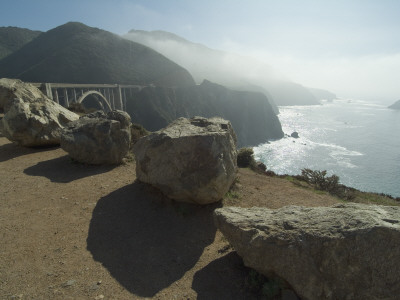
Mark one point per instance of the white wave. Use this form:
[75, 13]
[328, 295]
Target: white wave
[337, 150]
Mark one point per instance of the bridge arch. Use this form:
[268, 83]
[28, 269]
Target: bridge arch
[84, 95]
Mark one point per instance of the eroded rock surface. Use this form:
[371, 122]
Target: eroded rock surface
[31, 118]
[98, 138]
[191, 160]
[347, 251]
[15, 88]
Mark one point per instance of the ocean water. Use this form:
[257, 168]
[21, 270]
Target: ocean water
[356, 140]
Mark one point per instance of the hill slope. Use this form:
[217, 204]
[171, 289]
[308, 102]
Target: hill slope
[224, 68]
[76, 53]
[323, 94]
[395, 105]
[13, 38]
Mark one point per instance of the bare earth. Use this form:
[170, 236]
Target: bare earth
[72, 231]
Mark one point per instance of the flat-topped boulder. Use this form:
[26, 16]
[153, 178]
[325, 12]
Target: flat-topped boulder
[191, 160]
[347, 251]
[98, 138]
[31, 118]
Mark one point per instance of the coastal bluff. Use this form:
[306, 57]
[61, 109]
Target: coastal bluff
[395, 105]
[250, 113]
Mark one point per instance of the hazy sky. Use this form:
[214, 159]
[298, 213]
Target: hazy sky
[350, 47]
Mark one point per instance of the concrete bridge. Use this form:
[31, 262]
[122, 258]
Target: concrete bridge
[111, 96]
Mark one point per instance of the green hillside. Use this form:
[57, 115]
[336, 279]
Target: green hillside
[13, 38]
[76, 53]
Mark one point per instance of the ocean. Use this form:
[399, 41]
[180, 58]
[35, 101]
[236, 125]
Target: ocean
[356, 140]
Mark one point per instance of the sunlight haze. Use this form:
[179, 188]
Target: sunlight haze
[351, 48]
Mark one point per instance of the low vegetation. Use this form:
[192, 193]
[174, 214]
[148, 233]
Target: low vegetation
[245, 158]
[330, 184]
[138, 131]
[80, 109]
[320, 183]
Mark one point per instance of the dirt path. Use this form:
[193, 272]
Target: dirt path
[71, 231]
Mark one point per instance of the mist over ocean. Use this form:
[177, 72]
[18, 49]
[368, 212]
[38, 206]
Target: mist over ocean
[356, 140]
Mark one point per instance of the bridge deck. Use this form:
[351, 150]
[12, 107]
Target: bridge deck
[113, 94]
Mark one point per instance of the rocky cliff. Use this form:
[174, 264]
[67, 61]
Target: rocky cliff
[395, 105]
[250, 113]
[321, 94]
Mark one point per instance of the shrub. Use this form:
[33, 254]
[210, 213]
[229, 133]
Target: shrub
[330, 184]
[245, 158]
[77, 107]
[318, 179]
[80, 109]
[138, 131]
[261, 166]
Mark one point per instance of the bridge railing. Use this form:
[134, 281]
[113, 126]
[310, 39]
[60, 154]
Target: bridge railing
[65, 93]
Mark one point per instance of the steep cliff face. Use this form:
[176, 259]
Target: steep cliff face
[321, 94]
[250, 113]
[395, 105]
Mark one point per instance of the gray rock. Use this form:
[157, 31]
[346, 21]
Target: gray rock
[191, 160]
[395, 105]
[347, 251]
[69, 283]
[295, 135]
[15, 88]
[98, 138]
[31, 119]
[1, 127]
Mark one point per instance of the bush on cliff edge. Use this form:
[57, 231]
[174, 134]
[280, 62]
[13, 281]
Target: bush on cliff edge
[245, 158]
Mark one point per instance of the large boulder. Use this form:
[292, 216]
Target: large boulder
[347, 251]
[191, 160]
[98, 138]
[1, 126]
[11, 89]
[31, 118]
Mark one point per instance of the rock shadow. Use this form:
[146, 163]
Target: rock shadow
[11, 150]
[146, 241]
[223, 278]
[63, 169]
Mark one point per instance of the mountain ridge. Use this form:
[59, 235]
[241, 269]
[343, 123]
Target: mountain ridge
[231, 70]
[13, 38]
[77, 53]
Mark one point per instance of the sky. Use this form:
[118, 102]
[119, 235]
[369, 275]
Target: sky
[350, 47]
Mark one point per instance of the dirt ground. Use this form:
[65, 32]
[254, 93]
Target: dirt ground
[72, 231]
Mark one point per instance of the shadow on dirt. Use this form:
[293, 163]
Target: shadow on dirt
[11, 150]
[146, 241]
[63, 169]
[222, 279]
